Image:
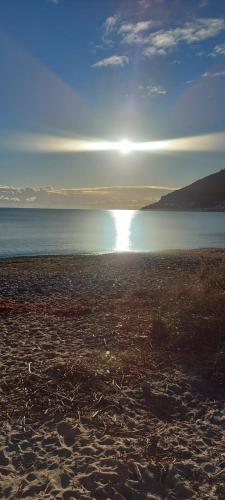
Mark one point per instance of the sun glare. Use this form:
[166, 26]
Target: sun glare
[123, 220]
[125, 146]
[51, 144]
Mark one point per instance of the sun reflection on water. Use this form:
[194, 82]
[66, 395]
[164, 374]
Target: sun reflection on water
[123, 220]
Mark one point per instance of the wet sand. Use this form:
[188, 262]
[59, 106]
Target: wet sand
[89, 409]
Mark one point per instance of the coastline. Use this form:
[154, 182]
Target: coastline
[97, 400]
[166, 209]
[192, 252]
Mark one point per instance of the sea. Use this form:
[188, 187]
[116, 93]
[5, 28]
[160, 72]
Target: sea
[27, 232]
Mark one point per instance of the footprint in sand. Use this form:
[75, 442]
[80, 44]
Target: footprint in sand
[66, 430]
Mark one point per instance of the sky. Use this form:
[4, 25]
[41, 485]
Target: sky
[143, 70]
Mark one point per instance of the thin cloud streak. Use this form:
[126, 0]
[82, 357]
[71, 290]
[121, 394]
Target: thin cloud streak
[216, 74]
[111, 61]
[218, 50]
[111, 197]
[152, 90]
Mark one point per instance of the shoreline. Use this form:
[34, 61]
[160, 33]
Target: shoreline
[105, 392]
[167, 252]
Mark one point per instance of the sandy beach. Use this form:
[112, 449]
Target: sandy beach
[97, 399]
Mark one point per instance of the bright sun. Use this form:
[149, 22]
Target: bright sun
[125, 146]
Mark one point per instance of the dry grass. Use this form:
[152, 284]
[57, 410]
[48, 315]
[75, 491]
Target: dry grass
[190, 316]
[182, 320]
[89, 383]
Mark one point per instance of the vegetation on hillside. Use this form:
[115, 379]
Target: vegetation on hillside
[205, 194]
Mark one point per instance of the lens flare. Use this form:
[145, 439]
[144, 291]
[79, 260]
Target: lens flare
[125, 146]
[40, 143]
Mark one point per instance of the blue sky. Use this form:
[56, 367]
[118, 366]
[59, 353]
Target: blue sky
[143, 69]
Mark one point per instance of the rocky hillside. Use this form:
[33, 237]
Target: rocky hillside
[205, 194]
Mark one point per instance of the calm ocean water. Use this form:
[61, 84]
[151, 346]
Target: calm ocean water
[49, 232]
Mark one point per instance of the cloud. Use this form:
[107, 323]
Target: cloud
[152, 90]
[200, 29]
[216, 74]
[110, 24]
[108, 28]
[133, 32]
[135, 27]
[31, 199]
[219, 50]
[163, 41]
[154, 51]
[130, 197]
[111, 61]
[159, 42]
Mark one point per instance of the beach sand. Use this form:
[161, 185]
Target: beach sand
[89, 407]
